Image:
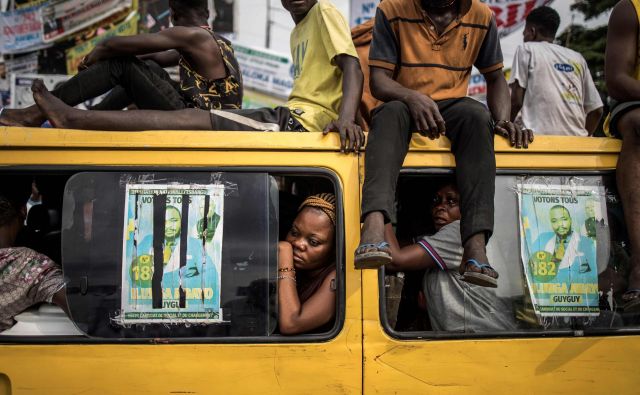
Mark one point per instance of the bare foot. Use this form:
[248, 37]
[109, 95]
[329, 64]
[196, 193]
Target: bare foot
[54, 109]
[29, 117]
[9, 117]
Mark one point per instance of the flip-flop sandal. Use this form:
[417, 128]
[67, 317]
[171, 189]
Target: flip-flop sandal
[479, 278]
[372, 259]
[632, 305]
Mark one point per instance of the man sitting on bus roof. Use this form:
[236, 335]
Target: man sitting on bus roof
[209, 73]
[325, 97]
[622, 72]
[453, 304]
[421, 58]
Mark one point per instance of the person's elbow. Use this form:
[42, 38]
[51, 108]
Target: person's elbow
[376, 86]
[288, 327]
[494, 77]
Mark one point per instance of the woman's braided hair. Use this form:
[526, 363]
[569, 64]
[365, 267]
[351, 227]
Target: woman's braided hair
[325, 202]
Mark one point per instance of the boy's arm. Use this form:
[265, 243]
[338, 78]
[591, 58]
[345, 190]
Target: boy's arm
[178, 38]
[352, 80]
[593, 119]
[517, 98]
[411, 257]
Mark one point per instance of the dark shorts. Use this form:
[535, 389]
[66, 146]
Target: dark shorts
[617, 111]
[277, 119]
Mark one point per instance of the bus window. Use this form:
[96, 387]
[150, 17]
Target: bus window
[214, 237]
[436, 304]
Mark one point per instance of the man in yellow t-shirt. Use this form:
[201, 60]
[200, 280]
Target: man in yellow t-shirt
[325, 97]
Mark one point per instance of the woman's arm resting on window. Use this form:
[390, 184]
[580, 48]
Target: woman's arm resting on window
[294, 317]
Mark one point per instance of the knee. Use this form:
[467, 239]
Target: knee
[390, 116]
[478, 115]
[629, 128]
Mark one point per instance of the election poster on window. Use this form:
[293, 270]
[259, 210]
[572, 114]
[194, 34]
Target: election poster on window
[559, 227]
[172, 246]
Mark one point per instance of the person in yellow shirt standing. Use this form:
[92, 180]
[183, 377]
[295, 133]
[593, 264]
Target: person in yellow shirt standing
[325, 97]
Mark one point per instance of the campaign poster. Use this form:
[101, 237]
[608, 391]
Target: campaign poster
[172, 246]
[61, 18]
[558, 240]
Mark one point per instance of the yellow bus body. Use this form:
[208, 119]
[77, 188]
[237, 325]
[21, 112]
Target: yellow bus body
[362, 358]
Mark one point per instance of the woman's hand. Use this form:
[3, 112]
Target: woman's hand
[285, 255]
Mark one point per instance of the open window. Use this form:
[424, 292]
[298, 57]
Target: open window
[531, 298]
[183, 256]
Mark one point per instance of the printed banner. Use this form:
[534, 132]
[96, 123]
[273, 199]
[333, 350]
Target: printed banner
[21, 31]
[558, 228]
[511, 14]
[63, 17]
[74, 55]
[22, 64]
[20, 4]
[172, 253]
[21, 95]
[265, 71]
[362, 11]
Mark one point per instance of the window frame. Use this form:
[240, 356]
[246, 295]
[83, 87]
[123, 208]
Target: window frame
[510, 334]
[297, 171]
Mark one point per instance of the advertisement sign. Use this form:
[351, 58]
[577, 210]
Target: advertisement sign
[558, 229]
[265, 71]
[22, 64]
[74, 55]
[21, 30]
[21, 95]
[172, 246]
[63, 17]
[511, 14]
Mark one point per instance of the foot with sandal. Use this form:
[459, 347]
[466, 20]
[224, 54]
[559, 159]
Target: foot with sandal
[374, 250]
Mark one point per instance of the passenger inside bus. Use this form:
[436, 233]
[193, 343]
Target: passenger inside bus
[453, 304]
[26, 276]
[307, 275]
[412, 297]
[306, 269]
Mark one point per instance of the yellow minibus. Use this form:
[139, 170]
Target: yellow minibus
[381, 341]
